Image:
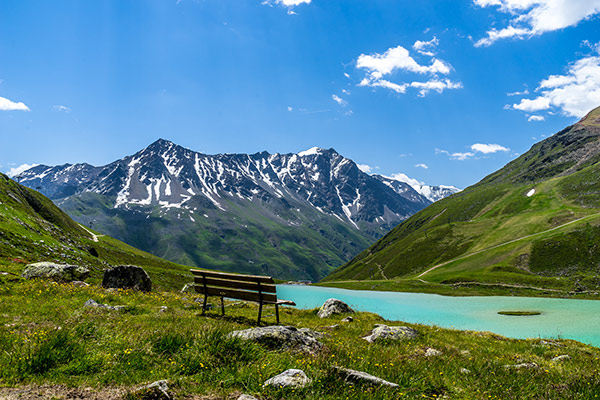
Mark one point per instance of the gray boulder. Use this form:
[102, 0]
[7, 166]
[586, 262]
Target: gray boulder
[158, 390]
[246, 397]
[56, 272]
[333, 306]
[292, 378]
[563, 357]
[352, 376]
[431, 352]
[384, 332]
[94, 303]
[283, 338]
[127, 277]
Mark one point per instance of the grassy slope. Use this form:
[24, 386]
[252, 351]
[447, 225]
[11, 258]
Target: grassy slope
[47, 337]
[462, 231]
[33, 229]
[245, 239]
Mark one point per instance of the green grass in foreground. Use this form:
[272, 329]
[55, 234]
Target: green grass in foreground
[48, 337]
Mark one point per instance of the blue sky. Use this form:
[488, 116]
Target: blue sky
[396, 86]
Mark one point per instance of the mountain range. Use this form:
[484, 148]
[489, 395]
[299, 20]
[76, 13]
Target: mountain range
[533, 224]
[293, 216]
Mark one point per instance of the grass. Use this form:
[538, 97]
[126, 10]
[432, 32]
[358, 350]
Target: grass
[47, 337]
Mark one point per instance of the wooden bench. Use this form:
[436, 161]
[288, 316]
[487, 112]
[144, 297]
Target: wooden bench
[260, 289]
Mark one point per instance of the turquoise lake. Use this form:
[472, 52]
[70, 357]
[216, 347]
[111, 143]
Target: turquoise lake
[560, 318]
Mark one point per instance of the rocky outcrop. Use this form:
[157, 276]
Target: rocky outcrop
[283, 338]
[56, 272]
[158, 390]
[384, 332]
[292, 378]
[333, 306]
[127, 277]
[352, 376]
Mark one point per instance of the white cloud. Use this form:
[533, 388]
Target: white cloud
[535, 17]
[517, 93]
[536, 118]
[8, 105]
[426, 48]
[574, 94]
[488, 148]
[365, 168]
[403, 178]
[346, 92]
[62, 108]
[21, 168]
[475, 149]
[339, 100]
[290, 109]
[421, 165]
[347, 75]
[379, 66]
[286, 3]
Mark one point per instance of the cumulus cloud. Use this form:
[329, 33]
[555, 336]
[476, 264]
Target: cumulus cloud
[421, 165]
[367, 169]
[534, 17]
[339, 100]
[517, 93]
[477, 148]
[537, 118]
[404, 178]
[574, 94]
[9, 105]
[286, 3]
[21, 168]
[379, 67]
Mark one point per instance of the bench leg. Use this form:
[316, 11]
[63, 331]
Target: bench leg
[259, 312]
[222, 306]
[205, 304]
[277, 312]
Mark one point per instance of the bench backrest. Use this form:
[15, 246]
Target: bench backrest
[243, 287]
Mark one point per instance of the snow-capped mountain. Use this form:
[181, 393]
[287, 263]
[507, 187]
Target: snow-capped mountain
[431, 193]
[294, 216]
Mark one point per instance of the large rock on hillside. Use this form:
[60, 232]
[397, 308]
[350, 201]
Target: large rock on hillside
[351, 376]
[293, 378]
[127, 277]
[56, 272]
[283, 338]
[384, 332]
[333, 306]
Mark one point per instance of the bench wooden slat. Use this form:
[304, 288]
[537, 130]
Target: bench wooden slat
[236, 277]
[237, 294]
[265, 288]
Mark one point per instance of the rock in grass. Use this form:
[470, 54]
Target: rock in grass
[347, 319]
[563, 357]
[431, 352]
[333, 306]
[158, 390]
[94, 303]
[292, 378]
[127, 277]
[527, 365]
[465, 371]
[384, 332]
[246, 397]
[56, 272]
[283, 338]
[352, 376]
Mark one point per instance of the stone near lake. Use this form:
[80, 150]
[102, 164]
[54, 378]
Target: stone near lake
[352, 376]
[384, 332]
[283, 338]
[292, 378]
[563, 357]
[347, 319]
[333, 306]
[94, 303]
[127, 277]
[56, 272]
[431, 352]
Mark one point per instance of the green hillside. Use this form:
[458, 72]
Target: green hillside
[33, 229]
[534, 224]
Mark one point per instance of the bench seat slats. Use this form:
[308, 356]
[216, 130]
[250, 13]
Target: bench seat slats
[236, 277]
[237, 294]
[265, 288]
